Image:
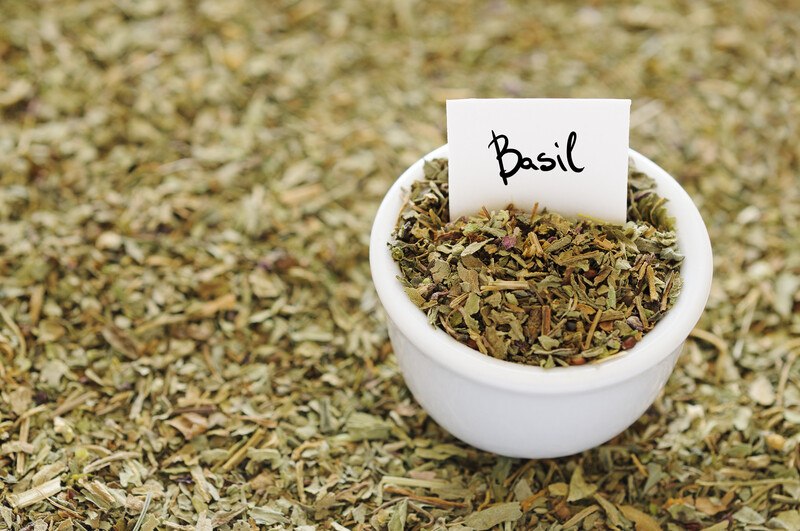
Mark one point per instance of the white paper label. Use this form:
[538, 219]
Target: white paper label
[568, 155]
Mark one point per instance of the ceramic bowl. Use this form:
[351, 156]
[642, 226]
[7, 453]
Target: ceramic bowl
[530, 412]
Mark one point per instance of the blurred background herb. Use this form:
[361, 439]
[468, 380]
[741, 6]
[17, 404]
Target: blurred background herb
[189, 338]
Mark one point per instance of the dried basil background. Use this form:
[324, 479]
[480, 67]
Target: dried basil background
[190, 338]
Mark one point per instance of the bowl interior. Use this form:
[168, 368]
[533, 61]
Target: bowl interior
[663, 339]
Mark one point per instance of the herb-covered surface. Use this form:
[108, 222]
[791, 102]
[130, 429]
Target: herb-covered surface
[186, 194]
[534, 287]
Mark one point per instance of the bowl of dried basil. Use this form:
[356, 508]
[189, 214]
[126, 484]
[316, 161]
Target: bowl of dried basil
[530, 334]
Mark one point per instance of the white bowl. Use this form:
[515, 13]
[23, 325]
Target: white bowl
[523, 411]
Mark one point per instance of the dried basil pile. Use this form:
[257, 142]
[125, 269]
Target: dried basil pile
[534, 287]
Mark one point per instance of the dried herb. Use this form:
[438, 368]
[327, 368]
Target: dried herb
[186, 194]
[532, 286]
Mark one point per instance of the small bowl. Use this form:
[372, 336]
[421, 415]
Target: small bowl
[522, 411]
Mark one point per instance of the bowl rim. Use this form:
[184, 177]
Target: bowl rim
[663, 339]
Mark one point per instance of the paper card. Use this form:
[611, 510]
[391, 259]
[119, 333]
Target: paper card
[569, 155]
